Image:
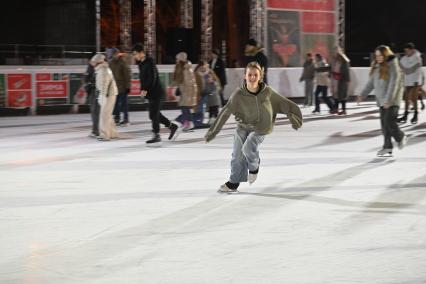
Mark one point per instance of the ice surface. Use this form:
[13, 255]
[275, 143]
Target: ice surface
[324, 209]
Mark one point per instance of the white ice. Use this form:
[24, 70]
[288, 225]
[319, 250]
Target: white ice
[323, 210]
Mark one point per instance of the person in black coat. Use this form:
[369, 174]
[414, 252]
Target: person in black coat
[218, 66]
[153, 91]
[254, 53]
[90, 88]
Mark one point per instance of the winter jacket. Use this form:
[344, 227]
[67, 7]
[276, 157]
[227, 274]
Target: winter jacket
[322, 73]
[256, 112]
[149, 80]
[220, 71]
[308, 71]
[386, 91]
[89, 79]
[105, 83]
[188, 88]
[122, 74]
[210, 89]
[411, 66]
[260, 58]
[340, 79]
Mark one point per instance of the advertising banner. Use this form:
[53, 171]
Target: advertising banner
[19, 92]
[295, 27]
[2, 91]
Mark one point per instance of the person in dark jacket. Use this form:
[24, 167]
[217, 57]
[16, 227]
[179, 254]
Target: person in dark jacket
[122, 75]
[218, 66]
[153, 91]
[307, 76]
[90, 88]
[340, 78]
[254, 53]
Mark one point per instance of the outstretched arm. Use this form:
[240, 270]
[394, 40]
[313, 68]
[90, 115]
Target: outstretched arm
[285, 106]
[223, 116]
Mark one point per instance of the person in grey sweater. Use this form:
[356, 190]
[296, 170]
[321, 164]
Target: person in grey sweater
[308, 77]
[385, 80]
[411, 66]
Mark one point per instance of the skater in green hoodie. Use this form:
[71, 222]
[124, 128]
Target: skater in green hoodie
[255, 106]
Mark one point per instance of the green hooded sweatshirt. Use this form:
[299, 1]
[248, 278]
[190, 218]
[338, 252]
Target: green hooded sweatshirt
[256, 112]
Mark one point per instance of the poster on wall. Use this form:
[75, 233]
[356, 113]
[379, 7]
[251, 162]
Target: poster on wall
[77, 94]
[322, 44]
[2, 91]
[19, 93]
[283, 38]
[51, 89]
[312, 5]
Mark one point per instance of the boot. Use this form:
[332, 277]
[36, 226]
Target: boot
[155, 139]
[173, 128]
[414, 119]
[403, 119]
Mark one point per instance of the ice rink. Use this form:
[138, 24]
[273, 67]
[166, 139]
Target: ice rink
[324, 209]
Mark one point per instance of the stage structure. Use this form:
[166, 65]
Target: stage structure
[186, 14]
[126, 25]
[257, 20]
[150, 39]
[206, 28]
[295, 28]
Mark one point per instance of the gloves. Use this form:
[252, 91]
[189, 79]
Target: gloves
[296, 122]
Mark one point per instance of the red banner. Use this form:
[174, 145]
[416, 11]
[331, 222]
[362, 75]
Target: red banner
[51, 89]
[313, 5]
[43, 77]
[19, 98]
[135, 88]
[313, 22]
[19, 81]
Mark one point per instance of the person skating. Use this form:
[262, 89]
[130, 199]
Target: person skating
[385, 80]
[185, 81]
[308, 75]
[218, 66]
[153, 91]
[90, 88]
[254, 52]
[122, 75]
[255, 106]
[322, 71]
[107, 95]
[411, 65]
[340, 78]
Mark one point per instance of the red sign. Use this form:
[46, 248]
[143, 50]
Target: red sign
[43, 77]
[51, 89]
[19, 98]
[313, 22]
[19, 81]
[135, 88]
[312, 5]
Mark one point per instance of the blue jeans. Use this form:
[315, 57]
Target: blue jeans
[121, 106]
[245, 154]
[186, 113]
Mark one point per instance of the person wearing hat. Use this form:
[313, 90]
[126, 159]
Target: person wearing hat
[122, 75]
[153, 91]
[218, 66]
[107, 94]
[255, 53]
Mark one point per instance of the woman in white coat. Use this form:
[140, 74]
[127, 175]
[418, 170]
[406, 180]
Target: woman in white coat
[107, 91]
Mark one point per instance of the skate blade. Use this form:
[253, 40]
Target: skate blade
[154, 145]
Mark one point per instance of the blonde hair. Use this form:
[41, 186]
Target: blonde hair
[255, 65]
[384, 67]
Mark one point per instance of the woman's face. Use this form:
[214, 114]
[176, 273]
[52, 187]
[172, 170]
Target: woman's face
[379, 57]
[252, 76]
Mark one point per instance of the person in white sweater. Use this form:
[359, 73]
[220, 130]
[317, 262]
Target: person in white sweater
[411, 66]
[107, 92]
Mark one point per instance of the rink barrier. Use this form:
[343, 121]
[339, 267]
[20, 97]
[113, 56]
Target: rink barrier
[36, 89]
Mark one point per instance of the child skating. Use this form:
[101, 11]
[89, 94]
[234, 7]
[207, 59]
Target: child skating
[255, 106]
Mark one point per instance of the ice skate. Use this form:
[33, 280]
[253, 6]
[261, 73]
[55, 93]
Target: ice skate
[173, 132]
[225, 189]
[155, 140]
[414, 120]
[403, 119]
[384, 153]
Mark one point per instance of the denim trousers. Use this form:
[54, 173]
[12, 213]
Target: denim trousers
[245, 154]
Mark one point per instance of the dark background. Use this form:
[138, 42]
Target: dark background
[72, 22]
